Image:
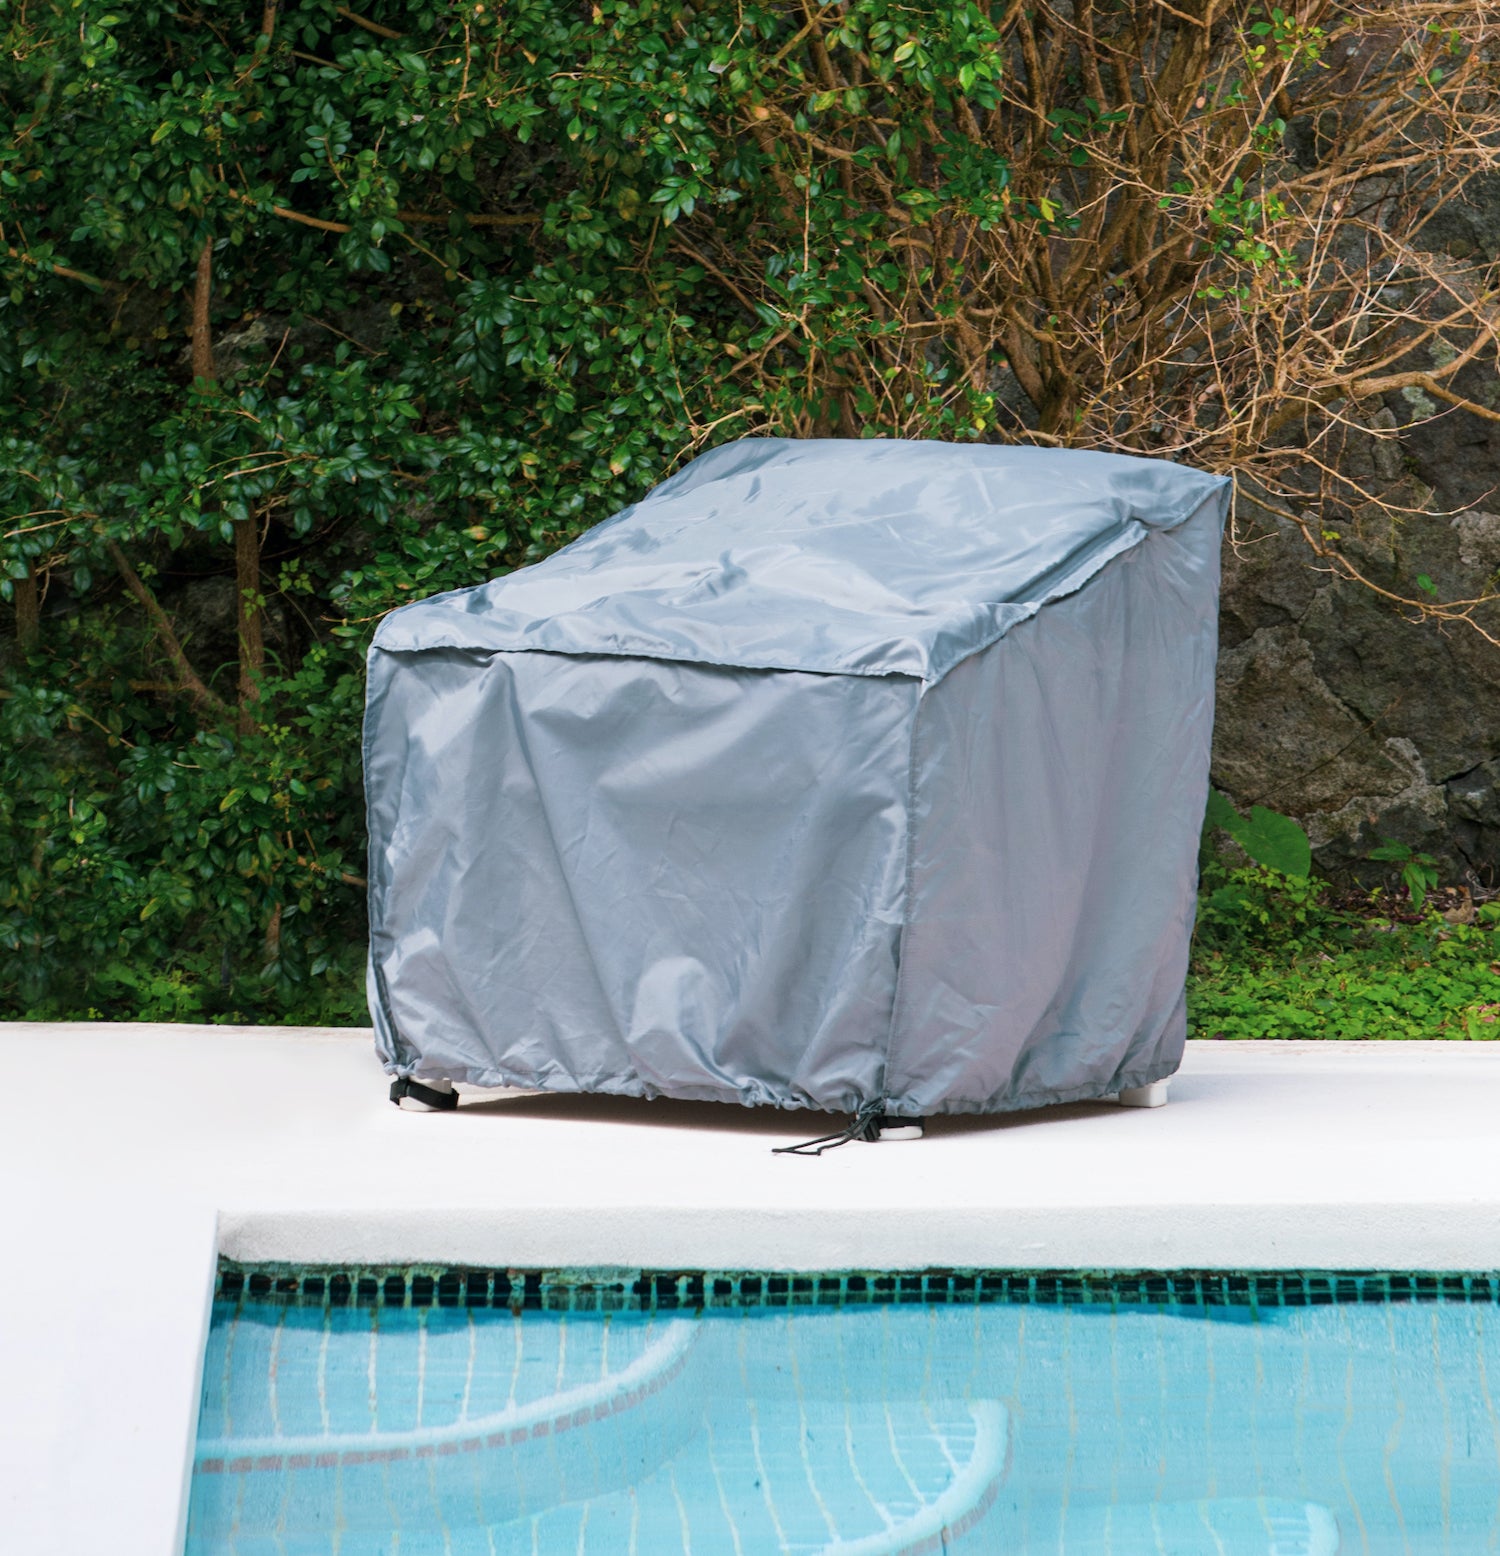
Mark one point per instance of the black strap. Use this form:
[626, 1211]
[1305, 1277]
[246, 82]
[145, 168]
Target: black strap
[865, 1125]
[428, 1096]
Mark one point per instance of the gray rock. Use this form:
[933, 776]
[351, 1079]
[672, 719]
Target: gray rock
[1338, 708]
[1284, 740]
[1416, 815]
[1479, 543]
[1267, 579]
[1474, 819]
[1469, 227]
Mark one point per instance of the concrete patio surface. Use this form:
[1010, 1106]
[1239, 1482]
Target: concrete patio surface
[130, 1154]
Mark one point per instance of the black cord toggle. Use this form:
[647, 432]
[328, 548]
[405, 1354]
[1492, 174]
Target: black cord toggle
[863, 1126]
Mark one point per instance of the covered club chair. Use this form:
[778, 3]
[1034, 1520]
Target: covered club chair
[859, 776]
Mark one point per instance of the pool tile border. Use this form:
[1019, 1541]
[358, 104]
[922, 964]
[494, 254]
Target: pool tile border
[661, 1291]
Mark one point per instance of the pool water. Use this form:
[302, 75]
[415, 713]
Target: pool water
[1094, 1428]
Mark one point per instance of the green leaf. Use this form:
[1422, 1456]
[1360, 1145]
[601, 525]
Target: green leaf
[1275, 841]
[1220, 813]
[1270, 839]
[1390, 853]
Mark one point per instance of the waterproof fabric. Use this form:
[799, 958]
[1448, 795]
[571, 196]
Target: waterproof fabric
[832, 773]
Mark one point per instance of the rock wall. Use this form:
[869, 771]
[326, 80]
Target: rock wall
[1332, 706]
[1337, 709]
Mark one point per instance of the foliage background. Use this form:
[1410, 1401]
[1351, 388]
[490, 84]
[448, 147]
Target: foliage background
[308, 311]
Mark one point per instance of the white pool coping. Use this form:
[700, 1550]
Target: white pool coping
[132, 1154]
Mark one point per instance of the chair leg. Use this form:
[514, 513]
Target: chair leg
[415, 1096]
[888, 1128]
[1152, 1096]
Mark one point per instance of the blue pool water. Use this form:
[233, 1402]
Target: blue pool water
[1095, 1428]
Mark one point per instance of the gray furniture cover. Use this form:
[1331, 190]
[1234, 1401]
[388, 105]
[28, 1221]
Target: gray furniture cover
[831, 774]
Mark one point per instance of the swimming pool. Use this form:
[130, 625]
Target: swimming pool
[458, 1412]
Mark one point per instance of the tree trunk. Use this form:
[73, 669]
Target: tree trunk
[203, 340]
[273, 935]
[28, 611]
[248, 619]
[252, 650]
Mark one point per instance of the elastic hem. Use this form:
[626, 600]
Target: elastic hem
[494, 1080]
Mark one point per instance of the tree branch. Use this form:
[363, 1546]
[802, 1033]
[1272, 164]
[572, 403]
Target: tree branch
[188, 679]
[28, 611]
[426, 218]
[248, 619]
[61, 270]
[689, 252]
[479, 219]
[378, 28]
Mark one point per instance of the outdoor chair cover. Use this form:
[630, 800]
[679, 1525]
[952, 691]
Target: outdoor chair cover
[832, 774]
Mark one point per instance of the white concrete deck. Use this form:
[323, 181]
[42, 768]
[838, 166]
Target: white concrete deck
[124, 1147]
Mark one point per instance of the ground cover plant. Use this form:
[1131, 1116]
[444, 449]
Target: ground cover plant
[1355, 973]
[308, 310]
[1280, 954]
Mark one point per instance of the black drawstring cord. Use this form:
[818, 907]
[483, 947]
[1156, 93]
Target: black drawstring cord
[858, 1128]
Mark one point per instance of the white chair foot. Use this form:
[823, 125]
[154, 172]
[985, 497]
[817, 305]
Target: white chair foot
[414, 1096]
[1152, 1096]
[887, 1128]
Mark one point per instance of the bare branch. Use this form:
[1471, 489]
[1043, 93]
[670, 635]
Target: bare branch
[378, 28]
[187, 677]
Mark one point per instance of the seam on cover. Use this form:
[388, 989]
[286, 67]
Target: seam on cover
[778, 667]
[1070, 583]
[1068, 588]
[403, 1054]
[1172, 521]
[1187, 513]
[908, 871]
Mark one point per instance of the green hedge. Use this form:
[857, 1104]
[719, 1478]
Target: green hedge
[306, 311]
